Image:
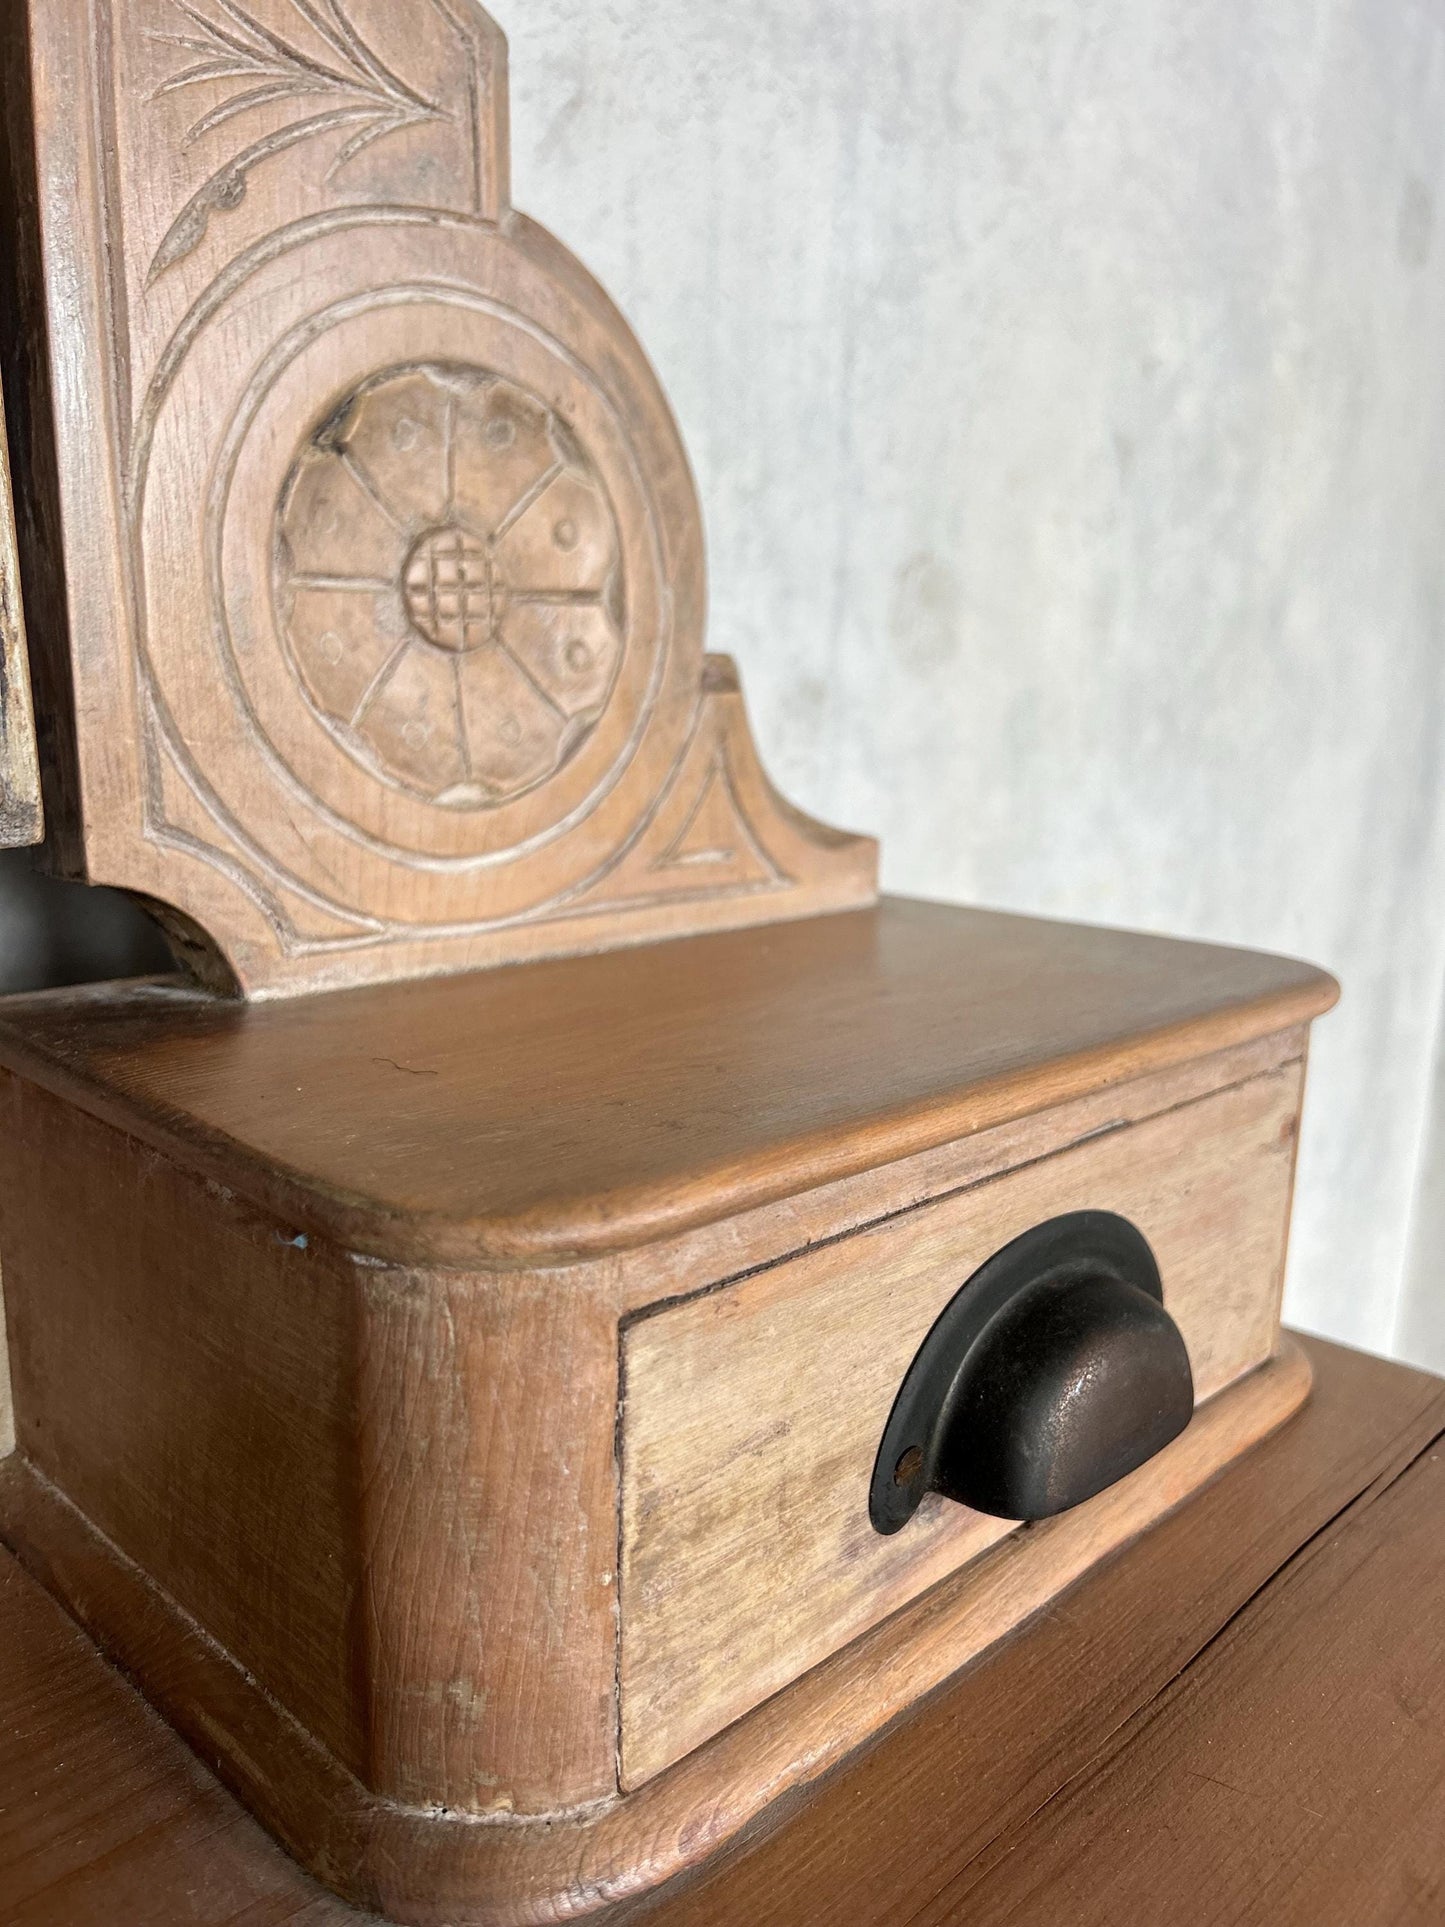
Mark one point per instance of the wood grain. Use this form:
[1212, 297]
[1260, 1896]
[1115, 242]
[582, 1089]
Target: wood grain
[367, 578]
[901, 1836]
[435, 1867]
[105, 1816]
[21, 817]
[186, 1375]
[751, 1416]
[7, 1396]
[380, 590]
[358, 1481]
[488, 1548]
[762, 1234]
[598, 1104]
[330, 1483]
[1296, 1773]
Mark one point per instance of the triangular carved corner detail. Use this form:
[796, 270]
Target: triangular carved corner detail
[721, 832]
[384, 655]
[716, 839]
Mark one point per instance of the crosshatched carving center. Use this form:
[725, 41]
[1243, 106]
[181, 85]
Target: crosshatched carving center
[454, 595]
[448, 583]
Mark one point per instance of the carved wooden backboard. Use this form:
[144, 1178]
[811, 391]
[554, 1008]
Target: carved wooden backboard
[379, 601]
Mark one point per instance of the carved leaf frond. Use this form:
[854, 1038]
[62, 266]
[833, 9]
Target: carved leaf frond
[226, 188]
[186, 42]
[365, 59]
[214, 31]
[265, 37]
[383, 124]
[287, 89]
[238, 46]
[260, 48]
[221, 69]
[324, 29]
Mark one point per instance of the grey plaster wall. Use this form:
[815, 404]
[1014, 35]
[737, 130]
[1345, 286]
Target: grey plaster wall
[1066, 388]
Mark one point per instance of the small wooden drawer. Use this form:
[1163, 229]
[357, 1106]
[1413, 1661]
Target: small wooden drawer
[459, 1411]
[752, 1414]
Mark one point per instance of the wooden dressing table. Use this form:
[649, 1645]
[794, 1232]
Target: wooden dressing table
[581, 1358]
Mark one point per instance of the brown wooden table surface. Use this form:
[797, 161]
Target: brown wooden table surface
[1240, 1719]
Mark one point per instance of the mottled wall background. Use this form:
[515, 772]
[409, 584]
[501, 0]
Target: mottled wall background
[1066, 389]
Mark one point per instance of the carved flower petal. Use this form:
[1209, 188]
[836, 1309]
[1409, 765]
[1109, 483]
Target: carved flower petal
[342, 640]
[398, 435]
[501, 450]
[564, 543]
[516, 736]
[334, 528]
[414, 722]
[571, 649]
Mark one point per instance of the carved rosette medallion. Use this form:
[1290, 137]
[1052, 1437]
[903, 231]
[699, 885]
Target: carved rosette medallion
[388, 641]
[449, 583]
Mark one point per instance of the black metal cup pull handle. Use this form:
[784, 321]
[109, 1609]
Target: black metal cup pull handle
[1054, 1372]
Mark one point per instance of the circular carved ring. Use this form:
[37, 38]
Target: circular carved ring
[449, 583]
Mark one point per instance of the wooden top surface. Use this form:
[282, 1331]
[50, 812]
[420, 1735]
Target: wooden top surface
[1242, 1717]
[560, 1109]
[1295, 1773]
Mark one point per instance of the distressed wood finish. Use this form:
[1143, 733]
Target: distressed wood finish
[974, 1779]
[597, 1105]
[434, 1867]
[107, 1817]
[21, 816]
[454, 1400]
[1295, 1773]
[360, 1480]
[382, 606]
[752, 1416]
[323, 1430]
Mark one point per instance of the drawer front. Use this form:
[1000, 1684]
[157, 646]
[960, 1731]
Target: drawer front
[751, 1414]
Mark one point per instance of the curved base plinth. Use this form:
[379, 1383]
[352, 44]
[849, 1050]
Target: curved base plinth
[441, 1869]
